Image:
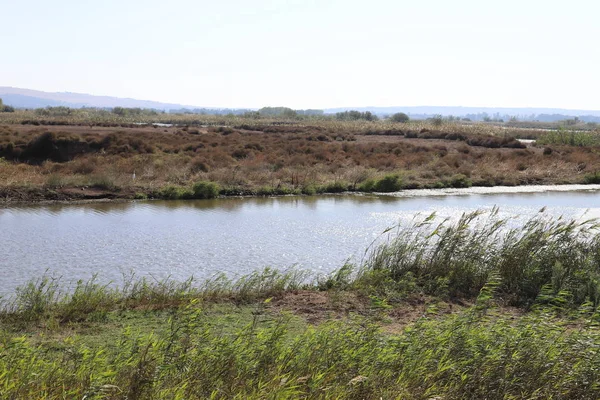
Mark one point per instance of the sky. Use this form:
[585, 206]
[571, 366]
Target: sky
[308, 53]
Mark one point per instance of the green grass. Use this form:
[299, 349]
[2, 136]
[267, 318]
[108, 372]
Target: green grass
[592, 178]
[205, 190]
[568, 137]
[194, 352]
[226, 338]
[458, 259]
[387, 184]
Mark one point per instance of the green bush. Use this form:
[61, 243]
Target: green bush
[102, 182]
[389, 183]
[54, 181]
[265, 191]
[172, 192]
[335, 187]
[205, 190]
[593, 178]
[367, 186]
[309, 190]
[399, 117]
[460, 181]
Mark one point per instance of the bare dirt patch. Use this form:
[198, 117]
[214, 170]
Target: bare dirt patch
[317, 307]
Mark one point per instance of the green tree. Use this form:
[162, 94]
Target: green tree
[4, 108]
[399, 117]
[354, 115]
[278, 112]
[437, 120]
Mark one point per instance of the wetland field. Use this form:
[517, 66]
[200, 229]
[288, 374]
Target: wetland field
[193, 156]
[156, 257]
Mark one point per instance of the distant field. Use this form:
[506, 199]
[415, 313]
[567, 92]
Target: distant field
[95, 156]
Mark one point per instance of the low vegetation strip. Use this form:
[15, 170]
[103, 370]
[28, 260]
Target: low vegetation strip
[508, 310]
[466, 356]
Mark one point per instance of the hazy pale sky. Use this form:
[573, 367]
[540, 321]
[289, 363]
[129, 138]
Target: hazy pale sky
[308, 53]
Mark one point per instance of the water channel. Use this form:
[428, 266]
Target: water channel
[179, 239]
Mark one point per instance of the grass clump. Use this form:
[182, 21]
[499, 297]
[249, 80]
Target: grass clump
[46, 298]
[200, 190]
[205, 190]
[54, 181]
[460, 181]
[457, 259]
[309, 190]
[102, 182]
[387, 184]
[334, 187]
[172, 192]
[569, 137]
[280, 190]
[592, 178]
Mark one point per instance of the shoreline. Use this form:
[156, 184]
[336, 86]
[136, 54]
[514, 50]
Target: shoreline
[46, 196]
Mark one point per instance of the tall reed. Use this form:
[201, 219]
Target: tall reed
[458, 259]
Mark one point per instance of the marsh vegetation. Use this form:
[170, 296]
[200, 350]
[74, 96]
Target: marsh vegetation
[87, 154]
[474, 308]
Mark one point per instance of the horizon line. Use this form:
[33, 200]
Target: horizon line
[189, 106]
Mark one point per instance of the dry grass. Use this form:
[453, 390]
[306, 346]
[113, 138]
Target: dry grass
[268, 157]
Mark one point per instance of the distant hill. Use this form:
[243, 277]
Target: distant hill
[26, 98]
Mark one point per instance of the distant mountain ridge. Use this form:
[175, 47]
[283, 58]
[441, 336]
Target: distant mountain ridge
[27, 98]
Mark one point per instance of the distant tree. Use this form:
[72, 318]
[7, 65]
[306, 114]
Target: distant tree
[354, 115]
[135, 111]
[289, 113]
[370, 116]
[437, 120]
[208, 111]
[60, 111]
[310, 112]
[278, 112]
[251, 115]
[400, 117]
[4, 108]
